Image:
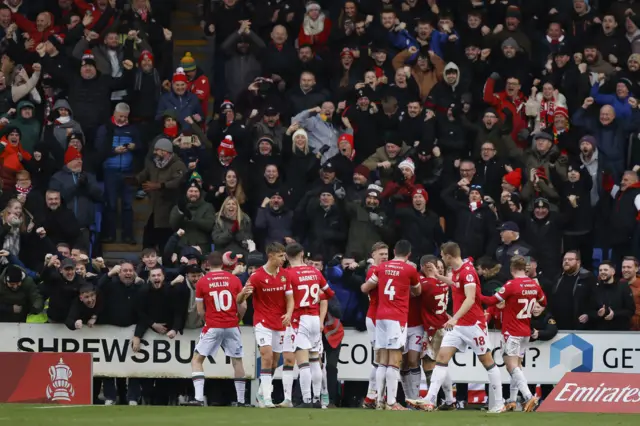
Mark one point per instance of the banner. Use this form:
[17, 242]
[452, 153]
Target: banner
[544, 362]
[54, 378]
[159, 356]
[110, 347]
[595, 393]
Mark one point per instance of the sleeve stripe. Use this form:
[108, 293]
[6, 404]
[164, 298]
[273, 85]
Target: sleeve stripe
[470, 284]
[374, 279]
[416, 286]
[326, 286]
[288, 292]
[499, 297]
[199, 299]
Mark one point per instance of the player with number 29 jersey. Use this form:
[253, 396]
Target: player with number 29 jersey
[218, 291]
[307, 283]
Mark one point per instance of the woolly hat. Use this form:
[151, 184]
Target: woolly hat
[195, 176]
[145, 55]
[226, 104]
[255, 258]
[542, 135]
[419, 190]
[164, 144]
[71, 154]
[88, 58]
[510, 42]
[229, 260]
[374, 191]
[514, 12]
[561, 111]
[328, 189]
[589, 139]
[188, 63]
[393, 138]
[76, 135]
[408, 163]
[180, 76]
[313, 5]
[227, 147]
[514, 178]
[13, 274]
[346, 137]
[362, 170]
[346, 52]
[302, 132]
[194, 184]
[634, 57]
[541, 202]
[627, 83]
[477, 188]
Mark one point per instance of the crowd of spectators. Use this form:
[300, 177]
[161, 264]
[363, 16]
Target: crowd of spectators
[511, 127]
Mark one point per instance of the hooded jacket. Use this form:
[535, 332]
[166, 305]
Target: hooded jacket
[30, 128]
[443, 94]
[197, 226]
[60, 129]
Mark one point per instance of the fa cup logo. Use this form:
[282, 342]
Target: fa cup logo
[60, 389]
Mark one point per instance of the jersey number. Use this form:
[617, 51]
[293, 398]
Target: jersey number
[389, 289]
[221, 300]
[443, 300]
[527, 306]
[311, 295]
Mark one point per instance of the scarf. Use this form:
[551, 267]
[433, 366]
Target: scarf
[11, 243]
[557, 133]
[63, 120]
[113, 121]
[24, 191]
[171, 132]
[144, 14]
[311, 27]
[547, 109]
[161, 163]
[475, 205]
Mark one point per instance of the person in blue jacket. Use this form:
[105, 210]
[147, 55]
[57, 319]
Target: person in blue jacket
[618, 100]
[181, 101]
[343, 275]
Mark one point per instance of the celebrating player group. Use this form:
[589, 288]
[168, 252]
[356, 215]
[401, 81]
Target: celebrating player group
[407, 323]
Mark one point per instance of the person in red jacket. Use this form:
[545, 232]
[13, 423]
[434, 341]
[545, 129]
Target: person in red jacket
[39, 31]
[513, 100]
[315, 28]
[11, 156]
[198, 83]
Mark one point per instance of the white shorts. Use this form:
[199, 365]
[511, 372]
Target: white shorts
[415, 337]
[464, 336]
[390, 334]
[431, 344]
[289, 339]
[229, 339]
[371, 331]
[515, 345]
[268, 337]
[308, 336]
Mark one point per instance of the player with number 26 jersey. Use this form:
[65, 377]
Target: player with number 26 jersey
[218, 291]
[519, 295]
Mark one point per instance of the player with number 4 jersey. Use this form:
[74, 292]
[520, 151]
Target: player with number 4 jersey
[519, 296]
[216, 301]
[396, 281]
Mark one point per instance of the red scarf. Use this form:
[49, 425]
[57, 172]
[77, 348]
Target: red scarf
[24, 191]
[547, 109]
[172, 131]
[113, 121]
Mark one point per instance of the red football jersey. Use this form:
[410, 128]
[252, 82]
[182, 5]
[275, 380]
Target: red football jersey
[519, 295]
[463, 277]
[373, 296]
[395, 279]
[434, 299]
[269, 297]
[307, 284]
[219, 290]
[414, 318]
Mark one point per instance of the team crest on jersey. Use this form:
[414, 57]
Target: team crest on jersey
[502, 290]
[283, 279]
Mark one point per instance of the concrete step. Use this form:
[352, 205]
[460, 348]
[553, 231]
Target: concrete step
[190, 43]
[121, 248]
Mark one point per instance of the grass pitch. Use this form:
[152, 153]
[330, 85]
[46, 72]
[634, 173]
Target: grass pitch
[36, 415]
